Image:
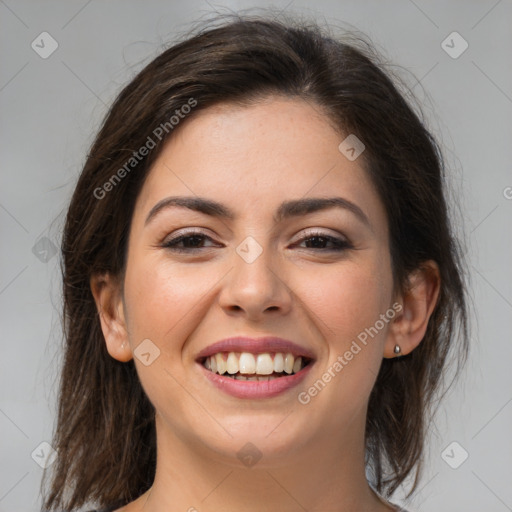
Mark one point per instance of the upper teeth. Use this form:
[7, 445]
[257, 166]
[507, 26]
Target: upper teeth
[247, 363]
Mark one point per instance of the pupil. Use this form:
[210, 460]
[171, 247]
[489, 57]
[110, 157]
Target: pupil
[316, 241]
[188, 241]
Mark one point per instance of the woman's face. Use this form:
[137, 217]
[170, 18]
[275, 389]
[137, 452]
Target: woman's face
[319, 278]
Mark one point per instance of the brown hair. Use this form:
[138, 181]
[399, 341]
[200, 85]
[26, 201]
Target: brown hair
[105, 433]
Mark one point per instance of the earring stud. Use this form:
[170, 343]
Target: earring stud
[397, 349]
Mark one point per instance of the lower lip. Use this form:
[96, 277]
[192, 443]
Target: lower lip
[254, 388]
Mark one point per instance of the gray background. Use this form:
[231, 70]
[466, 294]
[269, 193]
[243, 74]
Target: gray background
[52, 107]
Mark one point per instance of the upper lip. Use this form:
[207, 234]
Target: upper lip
[256, 346]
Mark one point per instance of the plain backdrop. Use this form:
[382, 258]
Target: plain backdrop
[52, 106]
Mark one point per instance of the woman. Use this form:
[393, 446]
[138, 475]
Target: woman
[261, 284]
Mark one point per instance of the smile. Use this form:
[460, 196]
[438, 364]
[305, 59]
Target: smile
[247, 375]
[255, 367]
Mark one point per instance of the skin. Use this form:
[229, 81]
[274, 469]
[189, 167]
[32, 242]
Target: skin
[251, 159]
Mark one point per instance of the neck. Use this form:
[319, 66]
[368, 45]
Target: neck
[326, 475]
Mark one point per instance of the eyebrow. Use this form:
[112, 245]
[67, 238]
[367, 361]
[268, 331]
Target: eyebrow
[287, 209]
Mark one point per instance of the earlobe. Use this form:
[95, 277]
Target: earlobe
[418, 303]
[107, 296]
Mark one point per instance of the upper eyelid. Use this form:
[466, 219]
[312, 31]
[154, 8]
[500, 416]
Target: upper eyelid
[199, 231]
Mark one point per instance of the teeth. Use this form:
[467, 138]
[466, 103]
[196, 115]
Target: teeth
[278, 363]
[247, 363]
[288, 363]
[264, 364]
[238, 365]
[260, 378]
[213, 363]
[221, 364]
[232, 363]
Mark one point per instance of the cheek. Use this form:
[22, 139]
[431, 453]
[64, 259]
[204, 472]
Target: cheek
[347, 304]
[347, 301]
[162, 297]
[164, 303]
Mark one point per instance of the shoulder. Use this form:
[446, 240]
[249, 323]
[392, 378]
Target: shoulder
[108, 509]
[119, 506]
[397, 508]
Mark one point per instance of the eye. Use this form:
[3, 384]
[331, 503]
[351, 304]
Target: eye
[191, 241]
[194, 240]
[318, 240]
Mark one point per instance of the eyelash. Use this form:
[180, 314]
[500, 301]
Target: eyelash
[340, 244]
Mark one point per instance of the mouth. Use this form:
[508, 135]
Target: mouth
[255, 367]
[245, 366]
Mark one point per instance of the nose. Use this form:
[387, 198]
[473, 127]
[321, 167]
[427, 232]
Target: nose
[255, 287]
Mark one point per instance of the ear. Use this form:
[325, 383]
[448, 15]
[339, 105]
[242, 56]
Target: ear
[108, 298]
[418, 302]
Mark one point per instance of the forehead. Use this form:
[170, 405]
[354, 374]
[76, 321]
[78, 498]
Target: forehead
[258, 155]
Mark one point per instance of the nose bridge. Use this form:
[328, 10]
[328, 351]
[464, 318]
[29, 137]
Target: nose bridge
[254, 284]
[253, 265]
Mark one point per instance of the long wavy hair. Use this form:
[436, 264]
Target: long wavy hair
[105, 431]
